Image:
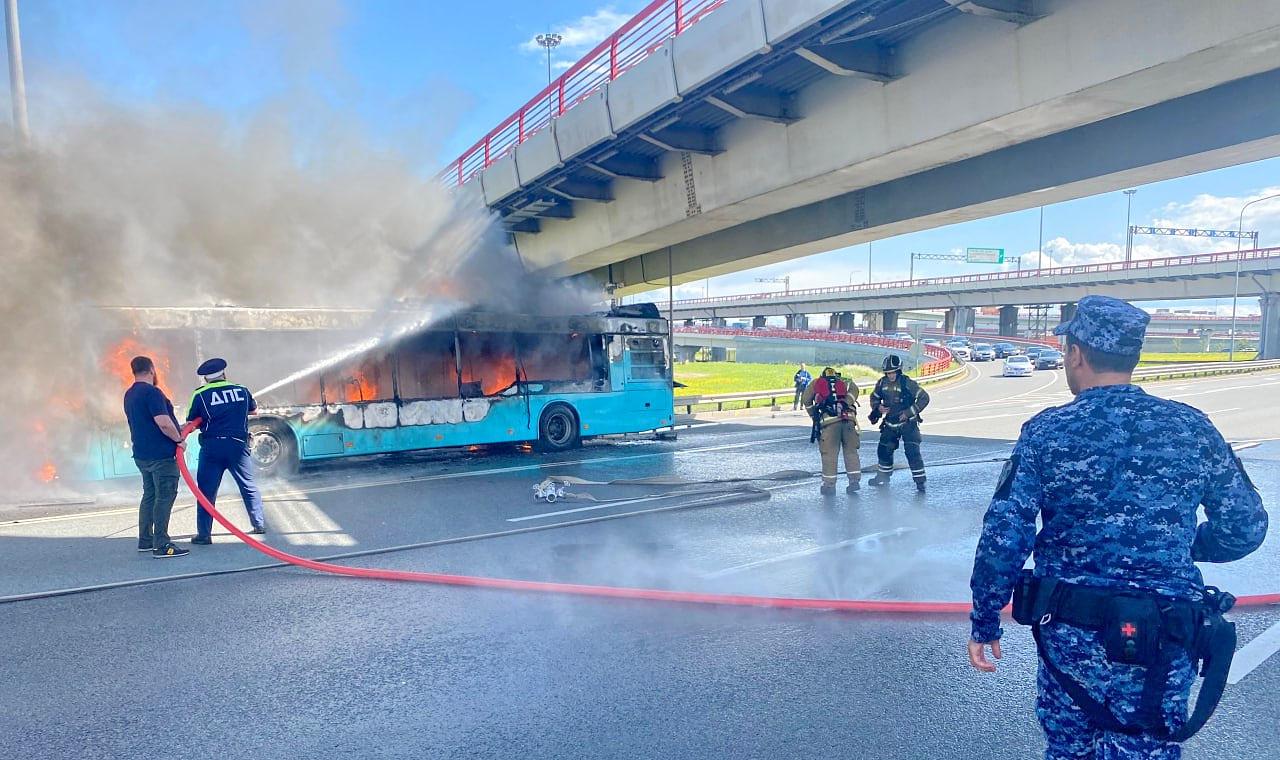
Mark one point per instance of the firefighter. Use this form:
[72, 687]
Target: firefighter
[832, 403]
[896, 404]
[223, 409]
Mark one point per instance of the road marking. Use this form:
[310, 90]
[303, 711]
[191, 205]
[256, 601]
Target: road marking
[1254, 653]
[870, 537]
[1220, 411]
[974, 419]
[290, 495]
[1053, 379]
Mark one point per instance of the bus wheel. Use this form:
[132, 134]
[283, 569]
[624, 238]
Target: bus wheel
[273, 449]
[558, 430]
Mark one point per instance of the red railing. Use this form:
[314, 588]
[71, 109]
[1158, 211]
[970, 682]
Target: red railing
[940, 358]
[1114, 266]
[634, 41]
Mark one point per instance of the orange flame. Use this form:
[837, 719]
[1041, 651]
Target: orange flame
[363, 389]
[48, 473]
[116, 360]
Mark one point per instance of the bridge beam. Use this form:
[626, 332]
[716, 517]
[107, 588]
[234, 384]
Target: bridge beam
[866, 59]
[1009, 321]
[582, 190]
[762, 104]
[684, 140]
[1269, 329]
[1014, 11]
[625, 166]
[757, 322]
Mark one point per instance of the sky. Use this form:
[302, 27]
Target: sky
[428, 78]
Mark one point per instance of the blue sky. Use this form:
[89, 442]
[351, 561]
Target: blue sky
[429, 78]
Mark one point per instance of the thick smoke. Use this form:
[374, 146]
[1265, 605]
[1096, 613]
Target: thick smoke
[177, 208]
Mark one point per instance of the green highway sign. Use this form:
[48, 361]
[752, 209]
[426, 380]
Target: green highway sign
[984, 255]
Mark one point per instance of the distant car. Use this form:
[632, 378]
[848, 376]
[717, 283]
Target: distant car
[1006, 349]
[983, 352]
[1050, 358]
[932, 342]
[1032, 352]
[1017, 366]
[960, 351]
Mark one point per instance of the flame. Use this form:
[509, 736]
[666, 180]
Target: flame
[494, 373]
[362, 388]
[115, 360]
[48, 473]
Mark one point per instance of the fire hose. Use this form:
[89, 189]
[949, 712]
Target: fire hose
[578, 589]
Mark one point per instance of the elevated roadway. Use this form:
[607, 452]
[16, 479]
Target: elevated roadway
[707, 137]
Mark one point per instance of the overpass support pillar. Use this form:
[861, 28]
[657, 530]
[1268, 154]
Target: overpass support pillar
[685, 354]
[688, 323]
[1009, 321]
[1269, 329]
[719, 354]
[757, 321]
[797, 321]
[720, 322]
[889, 320]
[842, 321]
[958, 320]
[872, 321]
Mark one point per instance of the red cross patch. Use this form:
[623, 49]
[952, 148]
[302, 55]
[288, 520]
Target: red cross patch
[1128, 629]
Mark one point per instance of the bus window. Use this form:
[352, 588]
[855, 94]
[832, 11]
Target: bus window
[554, 357]
[648, 358]
[488, 362]
[426, 367]
[365, 378]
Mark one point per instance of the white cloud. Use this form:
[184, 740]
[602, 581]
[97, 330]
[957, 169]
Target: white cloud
[581, 35]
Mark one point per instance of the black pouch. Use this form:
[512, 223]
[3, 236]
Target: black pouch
[1131, 630]
[1032, 597]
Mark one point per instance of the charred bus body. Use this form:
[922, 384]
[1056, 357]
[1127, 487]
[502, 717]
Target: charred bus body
[473, 379]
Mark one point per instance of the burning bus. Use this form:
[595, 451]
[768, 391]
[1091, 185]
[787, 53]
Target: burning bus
[473, 379]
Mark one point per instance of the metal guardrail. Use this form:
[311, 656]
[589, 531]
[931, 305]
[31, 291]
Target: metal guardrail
[689, 402]
[1204, 369]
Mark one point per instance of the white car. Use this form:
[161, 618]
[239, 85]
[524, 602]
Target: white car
[1018, 366]
[961, 352]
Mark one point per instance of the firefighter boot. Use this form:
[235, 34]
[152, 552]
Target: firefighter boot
[881, 479]
[920, 484]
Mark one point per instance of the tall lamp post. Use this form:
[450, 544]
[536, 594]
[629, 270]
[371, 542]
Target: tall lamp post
[17, 83]
[1128, 222]
[550, 41]
[1040, 245]
[1235, 296]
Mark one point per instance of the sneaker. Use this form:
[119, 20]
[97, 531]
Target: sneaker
[201, 540]
[170, 550]
[259, 530]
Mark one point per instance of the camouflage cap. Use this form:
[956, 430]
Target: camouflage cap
[1107, 324]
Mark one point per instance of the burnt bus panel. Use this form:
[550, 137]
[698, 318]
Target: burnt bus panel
[321, 445]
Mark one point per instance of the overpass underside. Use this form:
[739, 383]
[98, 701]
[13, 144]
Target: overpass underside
[784, 128]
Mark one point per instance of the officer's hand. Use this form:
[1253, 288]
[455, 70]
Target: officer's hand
[978, 655]
[884, 410]
[182, 445]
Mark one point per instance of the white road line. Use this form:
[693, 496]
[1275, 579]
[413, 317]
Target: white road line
[1053, 379]
[1220, 411]
[808, 552]
[640, 499]
[1254, 653]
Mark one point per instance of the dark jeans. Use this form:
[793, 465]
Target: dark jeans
[217, 455]
[159, 490]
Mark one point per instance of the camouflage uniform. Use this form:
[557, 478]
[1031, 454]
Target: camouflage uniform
[893, 429]
[1116, 477]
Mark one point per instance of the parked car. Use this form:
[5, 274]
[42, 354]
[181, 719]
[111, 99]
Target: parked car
[1017, 366]
[1050, 358]
[983, 352]
[1006, 349]
[960, 351]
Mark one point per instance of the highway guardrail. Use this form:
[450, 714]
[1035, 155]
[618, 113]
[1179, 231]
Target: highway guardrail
[1204, 369]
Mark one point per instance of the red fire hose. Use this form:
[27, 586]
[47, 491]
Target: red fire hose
[615, 592]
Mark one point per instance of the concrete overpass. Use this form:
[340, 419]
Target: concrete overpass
[1210, 275]
[746, 132]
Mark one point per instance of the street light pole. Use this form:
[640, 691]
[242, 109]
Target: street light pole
[17, 83]
[868, 262]
[550, 41]
[1040, 245]
[1128, 227]
[1235, 296]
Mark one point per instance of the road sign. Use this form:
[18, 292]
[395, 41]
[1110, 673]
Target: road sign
[984, 255]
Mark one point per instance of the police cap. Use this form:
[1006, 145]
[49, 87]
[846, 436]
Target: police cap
[1107, 324]
[212, 367]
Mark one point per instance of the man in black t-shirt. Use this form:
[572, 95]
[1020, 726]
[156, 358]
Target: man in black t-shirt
[156, 440]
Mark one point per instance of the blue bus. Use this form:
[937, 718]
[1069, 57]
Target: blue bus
[478, 378]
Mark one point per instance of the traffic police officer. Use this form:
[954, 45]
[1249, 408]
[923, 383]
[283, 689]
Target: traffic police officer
[223, 409]
[832, 402]
[898, 401]
[1116, 477]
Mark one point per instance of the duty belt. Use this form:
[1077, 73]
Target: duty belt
[1141, 629]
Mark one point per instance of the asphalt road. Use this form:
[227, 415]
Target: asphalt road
[285, 663]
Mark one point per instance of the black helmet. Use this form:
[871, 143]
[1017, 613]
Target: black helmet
[892, 363]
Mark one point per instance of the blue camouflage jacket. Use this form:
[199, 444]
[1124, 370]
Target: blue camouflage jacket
[1116, 477]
